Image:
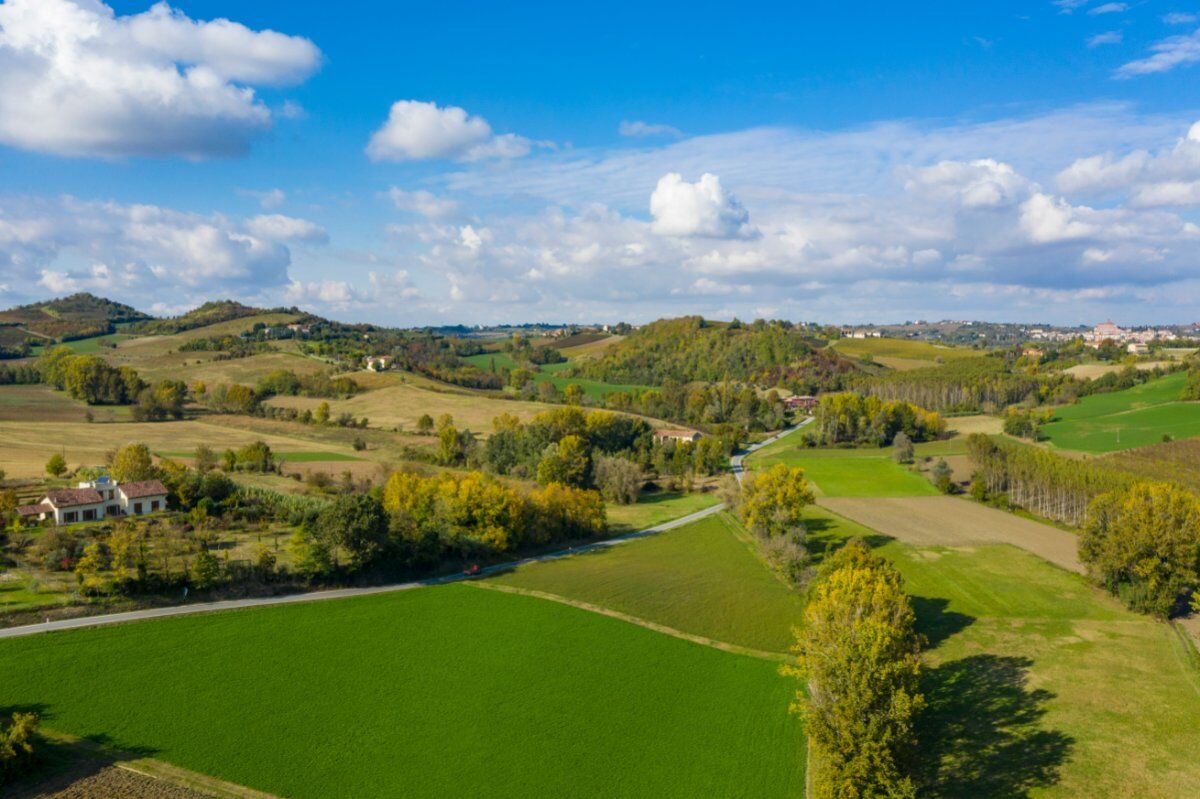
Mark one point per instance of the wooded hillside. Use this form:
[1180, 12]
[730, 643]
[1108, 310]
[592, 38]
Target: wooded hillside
[692, 348]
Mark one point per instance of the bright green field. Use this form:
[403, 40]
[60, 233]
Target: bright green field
[654, 509]
[447, 691]
[1123, 419]
[595, 389]
[702, 579]
[84, 346]
[902, 348]
[845, 472]
[1038, 684]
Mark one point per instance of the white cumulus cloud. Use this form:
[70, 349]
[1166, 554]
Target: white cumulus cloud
[1170, 176]
[702, 209]
[417, 130]
[76, 79]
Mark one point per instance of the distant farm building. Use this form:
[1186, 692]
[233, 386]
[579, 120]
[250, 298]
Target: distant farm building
[379, 363]
[676, 434]
[800, 403]
[94, 500]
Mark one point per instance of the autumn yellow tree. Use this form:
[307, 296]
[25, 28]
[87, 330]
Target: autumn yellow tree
[1143, 544]
[859, 657]
[773, 501]
[132, 463]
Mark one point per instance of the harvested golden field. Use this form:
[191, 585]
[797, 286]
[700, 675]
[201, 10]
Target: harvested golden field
[592, 348]
[400, 405]
[246, 371]
[27, 445]
[966, 425]
[1090, 371]
[948, 521]
[157, 357]
[42, 404]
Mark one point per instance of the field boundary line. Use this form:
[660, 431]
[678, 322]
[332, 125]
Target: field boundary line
[735, 649]
[155, 769]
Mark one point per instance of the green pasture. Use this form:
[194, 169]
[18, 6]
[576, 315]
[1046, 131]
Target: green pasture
[1038, 684]
[655, 508]
[551, 373]
[85, 346]
[845, 472]
[701, 578]
[905, 349]
[445, 691]
[1120, 420]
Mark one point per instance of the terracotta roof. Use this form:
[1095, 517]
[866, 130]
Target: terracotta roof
[69, 497]
[30, 510]
[146, 488]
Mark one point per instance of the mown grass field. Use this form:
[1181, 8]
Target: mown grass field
[1038, 684]
[902, 354]
[845, 472]
[1124, 419]
[551, 373]
[41, 403]
[84, 346]
[701, 578]
[448, 691]
[655, 508]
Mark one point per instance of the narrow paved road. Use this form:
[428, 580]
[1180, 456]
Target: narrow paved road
[342, 593]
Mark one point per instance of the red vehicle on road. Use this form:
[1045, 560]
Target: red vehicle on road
[472, 570]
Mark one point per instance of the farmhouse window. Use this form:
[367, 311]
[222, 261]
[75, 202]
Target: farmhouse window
[154, 504]
[137, 507]
[89, 515]
[69, 517]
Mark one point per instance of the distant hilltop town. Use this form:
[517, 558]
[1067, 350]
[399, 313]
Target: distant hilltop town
[1135, 339]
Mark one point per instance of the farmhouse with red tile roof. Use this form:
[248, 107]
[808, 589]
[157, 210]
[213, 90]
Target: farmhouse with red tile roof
[97, 499]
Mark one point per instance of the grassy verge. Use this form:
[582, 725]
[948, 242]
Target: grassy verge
[655, 508]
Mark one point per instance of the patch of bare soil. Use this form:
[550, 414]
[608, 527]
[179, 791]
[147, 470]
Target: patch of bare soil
[91, 780]
[948, 521]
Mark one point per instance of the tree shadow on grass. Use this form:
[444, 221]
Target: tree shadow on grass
[980, 733]
[60, 762]
[935, 622]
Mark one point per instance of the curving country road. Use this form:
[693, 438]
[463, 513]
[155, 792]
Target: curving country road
[342, 593]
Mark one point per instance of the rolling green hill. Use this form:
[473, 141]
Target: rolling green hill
[692, 348]
[1119, 420]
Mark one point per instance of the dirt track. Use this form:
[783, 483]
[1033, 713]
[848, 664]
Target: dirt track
[947, 521]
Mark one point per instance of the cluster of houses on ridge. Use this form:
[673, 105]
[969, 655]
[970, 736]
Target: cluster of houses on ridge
[95, 500]
[1137, 342]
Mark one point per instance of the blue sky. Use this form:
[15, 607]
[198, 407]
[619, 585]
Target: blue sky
[422, 163]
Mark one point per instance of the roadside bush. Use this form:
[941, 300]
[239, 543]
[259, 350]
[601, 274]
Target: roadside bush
[619, 479]
[16, 746]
